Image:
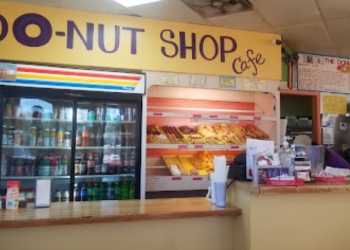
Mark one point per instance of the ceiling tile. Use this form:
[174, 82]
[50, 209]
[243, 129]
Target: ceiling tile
[243, 21]
[339, 30]
[335, 9]
[310, 37]
[170, 10]
[284, 13]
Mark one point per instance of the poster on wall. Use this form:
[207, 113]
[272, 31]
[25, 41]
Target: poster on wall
[323, 73]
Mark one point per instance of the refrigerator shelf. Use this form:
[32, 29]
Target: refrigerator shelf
[102, 147]
[35, 147]
[102, 122]
[35, 119]
[196, 146]
[63, 177]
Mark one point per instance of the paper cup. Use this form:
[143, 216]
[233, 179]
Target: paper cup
[220, 194]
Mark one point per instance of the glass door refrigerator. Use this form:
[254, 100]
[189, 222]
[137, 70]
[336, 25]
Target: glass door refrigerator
[87, 142]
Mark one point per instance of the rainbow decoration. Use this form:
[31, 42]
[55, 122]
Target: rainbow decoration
[63, 78]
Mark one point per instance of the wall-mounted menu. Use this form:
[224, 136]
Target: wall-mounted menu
[323, 73]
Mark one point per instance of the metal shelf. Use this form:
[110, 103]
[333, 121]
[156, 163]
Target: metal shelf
[35, 119]
[87, 121]
[35, 147]
[196, 146]
[63, 177]
[105, 147]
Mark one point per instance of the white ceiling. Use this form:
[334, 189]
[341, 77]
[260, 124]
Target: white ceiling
[314, 26]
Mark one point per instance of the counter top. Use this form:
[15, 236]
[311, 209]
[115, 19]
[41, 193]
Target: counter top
[113, 211]
[306, 188]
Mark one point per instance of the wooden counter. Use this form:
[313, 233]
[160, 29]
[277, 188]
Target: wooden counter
[306, 188]
[113, 211]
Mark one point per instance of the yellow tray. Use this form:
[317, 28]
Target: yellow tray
[187, 164]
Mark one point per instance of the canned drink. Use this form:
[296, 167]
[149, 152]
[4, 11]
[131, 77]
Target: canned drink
[133, 114]
[128, 114]
[91, 115]
[62, 115]
[55, 112]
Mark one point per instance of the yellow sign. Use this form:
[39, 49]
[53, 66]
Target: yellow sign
[254, 84]
[334, 104]
[31, 33]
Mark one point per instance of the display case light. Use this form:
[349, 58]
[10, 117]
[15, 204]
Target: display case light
[132, 3]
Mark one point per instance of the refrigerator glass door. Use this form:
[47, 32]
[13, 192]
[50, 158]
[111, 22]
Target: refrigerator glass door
[105, 151]
[36, 143]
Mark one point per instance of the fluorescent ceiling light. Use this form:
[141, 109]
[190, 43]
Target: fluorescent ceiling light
[131, 3]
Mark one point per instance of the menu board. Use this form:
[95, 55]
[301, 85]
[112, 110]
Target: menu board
[323, 73]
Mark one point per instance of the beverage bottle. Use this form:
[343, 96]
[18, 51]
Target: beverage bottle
[114, 158]
[53, 166]
[47, 137]
[83, 192]
[65, 196]
[124, 190]
[102, 191]
[96, 192]
[85, 137]
[131, 190]
[44, 167]
[65, 164]
[59, 138]
[3, 171]
[122, 117]
[4, 135]
[53, 138]
[97, 165]
[126, 162]
[66, 139]
[40, 138]
[89, 192]
[82, 166]
[30, 166]
[33, 136]
[132, 162]
[11, 136]
[90, 164]
[98, 114]
[117, 190]
[109, 191]
[76, 192]
[60, 166]
[19, 167]
[105, 163]
[287, 157]
[79, 139]
[99, 135]
[92, 138]
[76, 165]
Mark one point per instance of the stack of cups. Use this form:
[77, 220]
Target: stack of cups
[218, 182]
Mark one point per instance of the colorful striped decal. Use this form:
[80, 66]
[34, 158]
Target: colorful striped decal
[38, 76]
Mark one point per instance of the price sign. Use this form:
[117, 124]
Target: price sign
[158, 114]
[233, 117]
[198, 146]
[235, 147]
[213, 116]
[176, 178]
[196, 116]
[156, 179]
[257, 118]
[182, 146]
[197, 178]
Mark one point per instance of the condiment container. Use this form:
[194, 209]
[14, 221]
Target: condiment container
[12, 195]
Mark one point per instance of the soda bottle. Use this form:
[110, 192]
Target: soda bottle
[83, 192]
[126, 162]
[53, 138]
[60, 166]
[97, 164]
[109, 191]
[53, 166]
[117, 190]
[85, 136]
[76, 192]
[65, 164]
[92, 137]
[89, 192]
[12, 166]
[40, 138]
[90, 164]
[131, 190]
[96, 192]
[99, 135]
[82, 166]
[124, 190]
[79, 139]
[105, 163]
[132, 162]
[102, 191]
[46, 137]
[3, 165]
[19, 167]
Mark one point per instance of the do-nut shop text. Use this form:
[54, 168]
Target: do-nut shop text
[176, 45]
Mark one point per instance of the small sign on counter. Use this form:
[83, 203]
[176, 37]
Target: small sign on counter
[43, 193]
